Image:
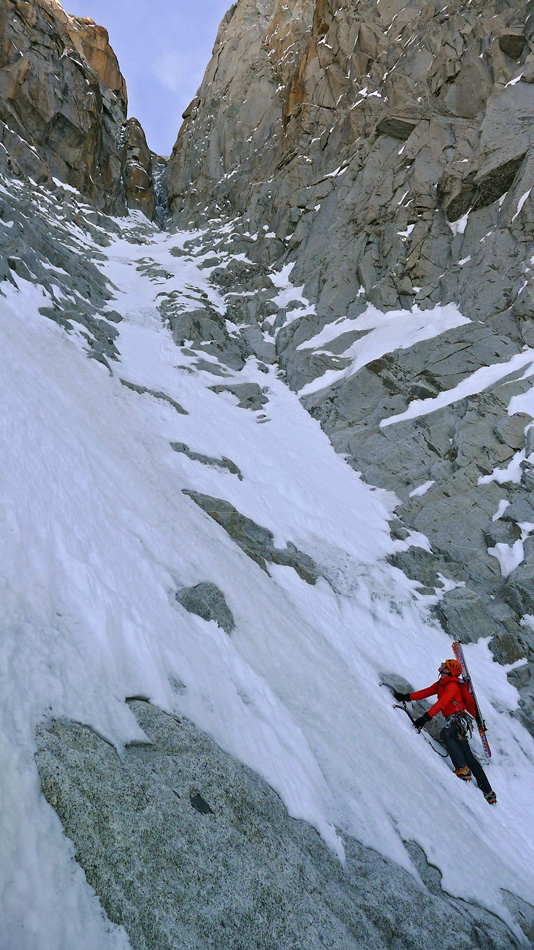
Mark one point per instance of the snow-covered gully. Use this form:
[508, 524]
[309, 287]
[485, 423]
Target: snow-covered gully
[98, 535]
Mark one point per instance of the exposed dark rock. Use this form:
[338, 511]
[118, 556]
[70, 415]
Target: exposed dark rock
[398, 128]
[501, 532]
[493, 184]
[257, 542]
[207, 601]
[204, 328]
[508, 649]
[512, 44]
[198, 803]
[223, 462]
[102, 335]
[156, 394]
[520, 510]
[519, 589]
[511, 429]
[249, 395]
[418, 564]
[465, 616]
[39, 246]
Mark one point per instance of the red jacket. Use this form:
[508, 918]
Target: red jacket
[449, 700]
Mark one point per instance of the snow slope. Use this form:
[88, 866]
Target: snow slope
[97, 536]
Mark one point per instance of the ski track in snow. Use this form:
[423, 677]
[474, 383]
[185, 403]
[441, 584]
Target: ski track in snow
[98, 536]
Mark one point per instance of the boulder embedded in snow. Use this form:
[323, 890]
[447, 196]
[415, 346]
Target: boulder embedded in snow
[249, 395]
[204, 328]
[207, 601]
[221, 463]
[156, 394]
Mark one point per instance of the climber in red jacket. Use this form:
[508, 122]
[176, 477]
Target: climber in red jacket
[454, 734]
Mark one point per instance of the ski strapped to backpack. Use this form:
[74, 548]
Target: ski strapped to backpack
[471, 701]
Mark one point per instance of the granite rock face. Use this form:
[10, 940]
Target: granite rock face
[186, 847]
[365, 121]
[63, 107]
[386, 148]
[256, 541]
[207, 601]
[138, 172]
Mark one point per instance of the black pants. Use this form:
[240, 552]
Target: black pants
[458, 748]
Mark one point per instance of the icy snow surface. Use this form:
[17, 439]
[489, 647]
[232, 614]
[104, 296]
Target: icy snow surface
[97, 536]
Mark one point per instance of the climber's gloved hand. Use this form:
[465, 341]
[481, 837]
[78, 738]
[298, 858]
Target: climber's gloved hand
[401, 697]
[419, 723]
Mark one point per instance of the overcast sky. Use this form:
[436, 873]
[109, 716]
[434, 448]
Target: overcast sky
[163, 47]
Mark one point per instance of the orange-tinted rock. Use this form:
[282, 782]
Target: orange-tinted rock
[63, 105]
[99, 54]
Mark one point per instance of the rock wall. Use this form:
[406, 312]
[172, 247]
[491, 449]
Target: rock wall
[387, 147]
[63, 106]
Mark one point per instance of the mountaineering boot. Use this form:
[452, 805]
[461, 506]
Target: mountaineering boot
[490, 797]
[464, 772]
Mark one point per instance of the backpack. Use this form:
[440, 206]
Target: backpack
[467, 698]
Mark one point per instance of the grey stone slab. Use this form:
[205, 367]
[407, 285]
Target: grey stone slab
[190, 850]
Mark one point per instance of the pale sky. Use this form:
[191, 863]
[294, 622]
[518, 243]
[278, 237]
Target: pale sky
[163, 47]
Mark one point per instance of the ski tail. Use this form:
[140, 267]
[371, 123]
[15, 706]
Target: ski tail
[459, 654]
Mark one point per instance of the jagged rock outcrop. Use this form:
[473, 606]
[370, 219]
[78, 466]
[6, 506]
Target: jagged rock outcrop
[207, 601]
[138, 175]
[63, 106]
[186, 847]
[38, 243]
[387, 147]
[256, 541]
